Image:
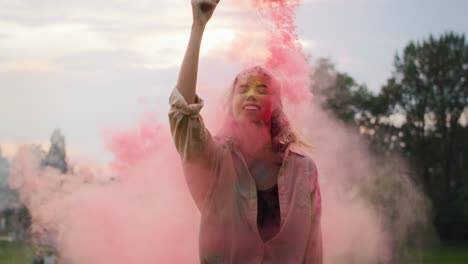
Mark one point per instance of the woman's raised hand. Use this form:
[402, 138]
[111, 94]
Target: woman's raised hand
[186, 84]
[203, 10]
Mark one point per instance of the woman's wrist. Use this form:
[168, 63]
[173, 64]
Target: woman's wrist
[199, 26]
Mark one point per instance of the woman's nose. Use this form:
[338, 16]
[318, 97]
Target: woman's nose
[251, 93]
[251, 98]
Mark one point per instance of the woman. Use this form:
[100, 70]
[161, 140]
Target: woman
[257, 192]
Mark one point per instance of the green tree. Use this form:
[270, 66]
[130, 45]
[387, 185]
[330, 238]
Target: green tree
[429, 91]
[340, 93]
[402, 207]
[421, 113]
[352, 103]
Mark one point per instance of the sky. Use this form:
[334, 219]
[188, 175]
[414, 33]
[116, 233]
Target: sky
[85, 66]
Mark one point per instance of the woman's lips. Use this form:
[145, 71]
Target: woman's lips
[251, 107]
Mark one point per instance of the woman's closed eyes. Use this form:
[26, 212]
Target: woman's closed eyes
[260, 89]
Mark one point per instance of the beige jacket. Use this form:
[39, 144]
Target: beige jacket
[226, 195]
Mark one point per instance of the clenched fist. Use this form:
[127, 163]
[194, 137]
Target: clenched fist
[203, 10]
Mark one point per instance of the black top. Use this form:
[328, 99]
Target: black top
[268, 216]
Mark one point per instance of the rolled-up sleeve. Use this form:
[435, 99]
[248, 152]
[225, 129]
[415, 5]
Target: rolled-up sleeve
[315, 249]
[191, 138]
[195, 145]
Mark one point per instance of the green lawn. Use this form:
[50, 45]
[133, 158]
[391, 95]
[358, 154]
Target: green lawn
[15, 253]
[447, 255]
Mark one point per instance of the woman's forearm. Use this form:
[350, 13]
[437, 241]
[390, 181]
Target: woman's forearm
[187, 81]
[202, 11]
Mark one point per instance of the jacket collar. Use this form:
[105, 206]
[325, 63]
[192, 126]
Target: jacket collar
[294, 147]
[297, 149]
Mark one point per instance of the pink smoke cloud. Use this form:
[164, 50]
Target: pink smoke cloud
[272, 41]
[142, 213]
[139, 210]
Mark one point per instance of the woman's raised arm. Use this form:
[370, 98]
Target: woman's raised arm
[186, 84]
[192, 140]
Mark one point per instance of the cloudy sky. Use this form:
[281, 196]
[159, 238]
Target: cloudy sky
[84, 65]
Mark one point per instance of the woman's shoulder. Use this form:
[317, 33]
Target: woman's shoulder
[305, 153]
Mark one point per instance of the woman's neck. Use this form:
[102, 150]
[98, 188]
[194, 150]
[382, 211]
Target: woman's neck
[254, 140]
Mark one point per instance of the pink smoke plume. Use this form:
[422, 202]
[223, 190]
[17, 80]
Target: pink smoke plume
[141, 211]
[277, 46]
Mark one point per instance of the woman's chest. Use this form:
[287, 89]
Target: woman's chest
[265, 173]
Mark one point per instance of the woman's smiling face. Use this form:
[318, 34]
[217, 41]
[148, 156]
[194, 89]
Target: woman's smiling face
[253, 98]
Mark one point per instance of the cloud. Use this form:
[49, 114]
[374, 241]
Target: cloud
[4, 36]
[28, 65]
[156, 30]
[7, 148]
[43, 12]
[49, 42]
[309, 45]
[320, 1]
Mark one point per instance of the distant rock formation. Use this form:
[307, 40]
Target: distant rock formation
[56, 157]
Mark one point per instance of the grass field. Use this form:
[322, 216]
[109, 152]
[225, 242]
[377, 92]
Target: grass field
[16, 253]
[447, 255]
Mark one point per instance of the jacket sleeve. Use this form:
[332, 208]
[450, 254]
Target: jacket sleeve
[191, 138]
[195, 145]
[315, 249]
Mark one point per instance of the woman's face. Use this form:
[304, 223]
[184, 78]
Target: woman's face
[253, 98]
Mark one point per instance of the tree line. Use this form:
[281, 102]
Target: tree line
[421, 114]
